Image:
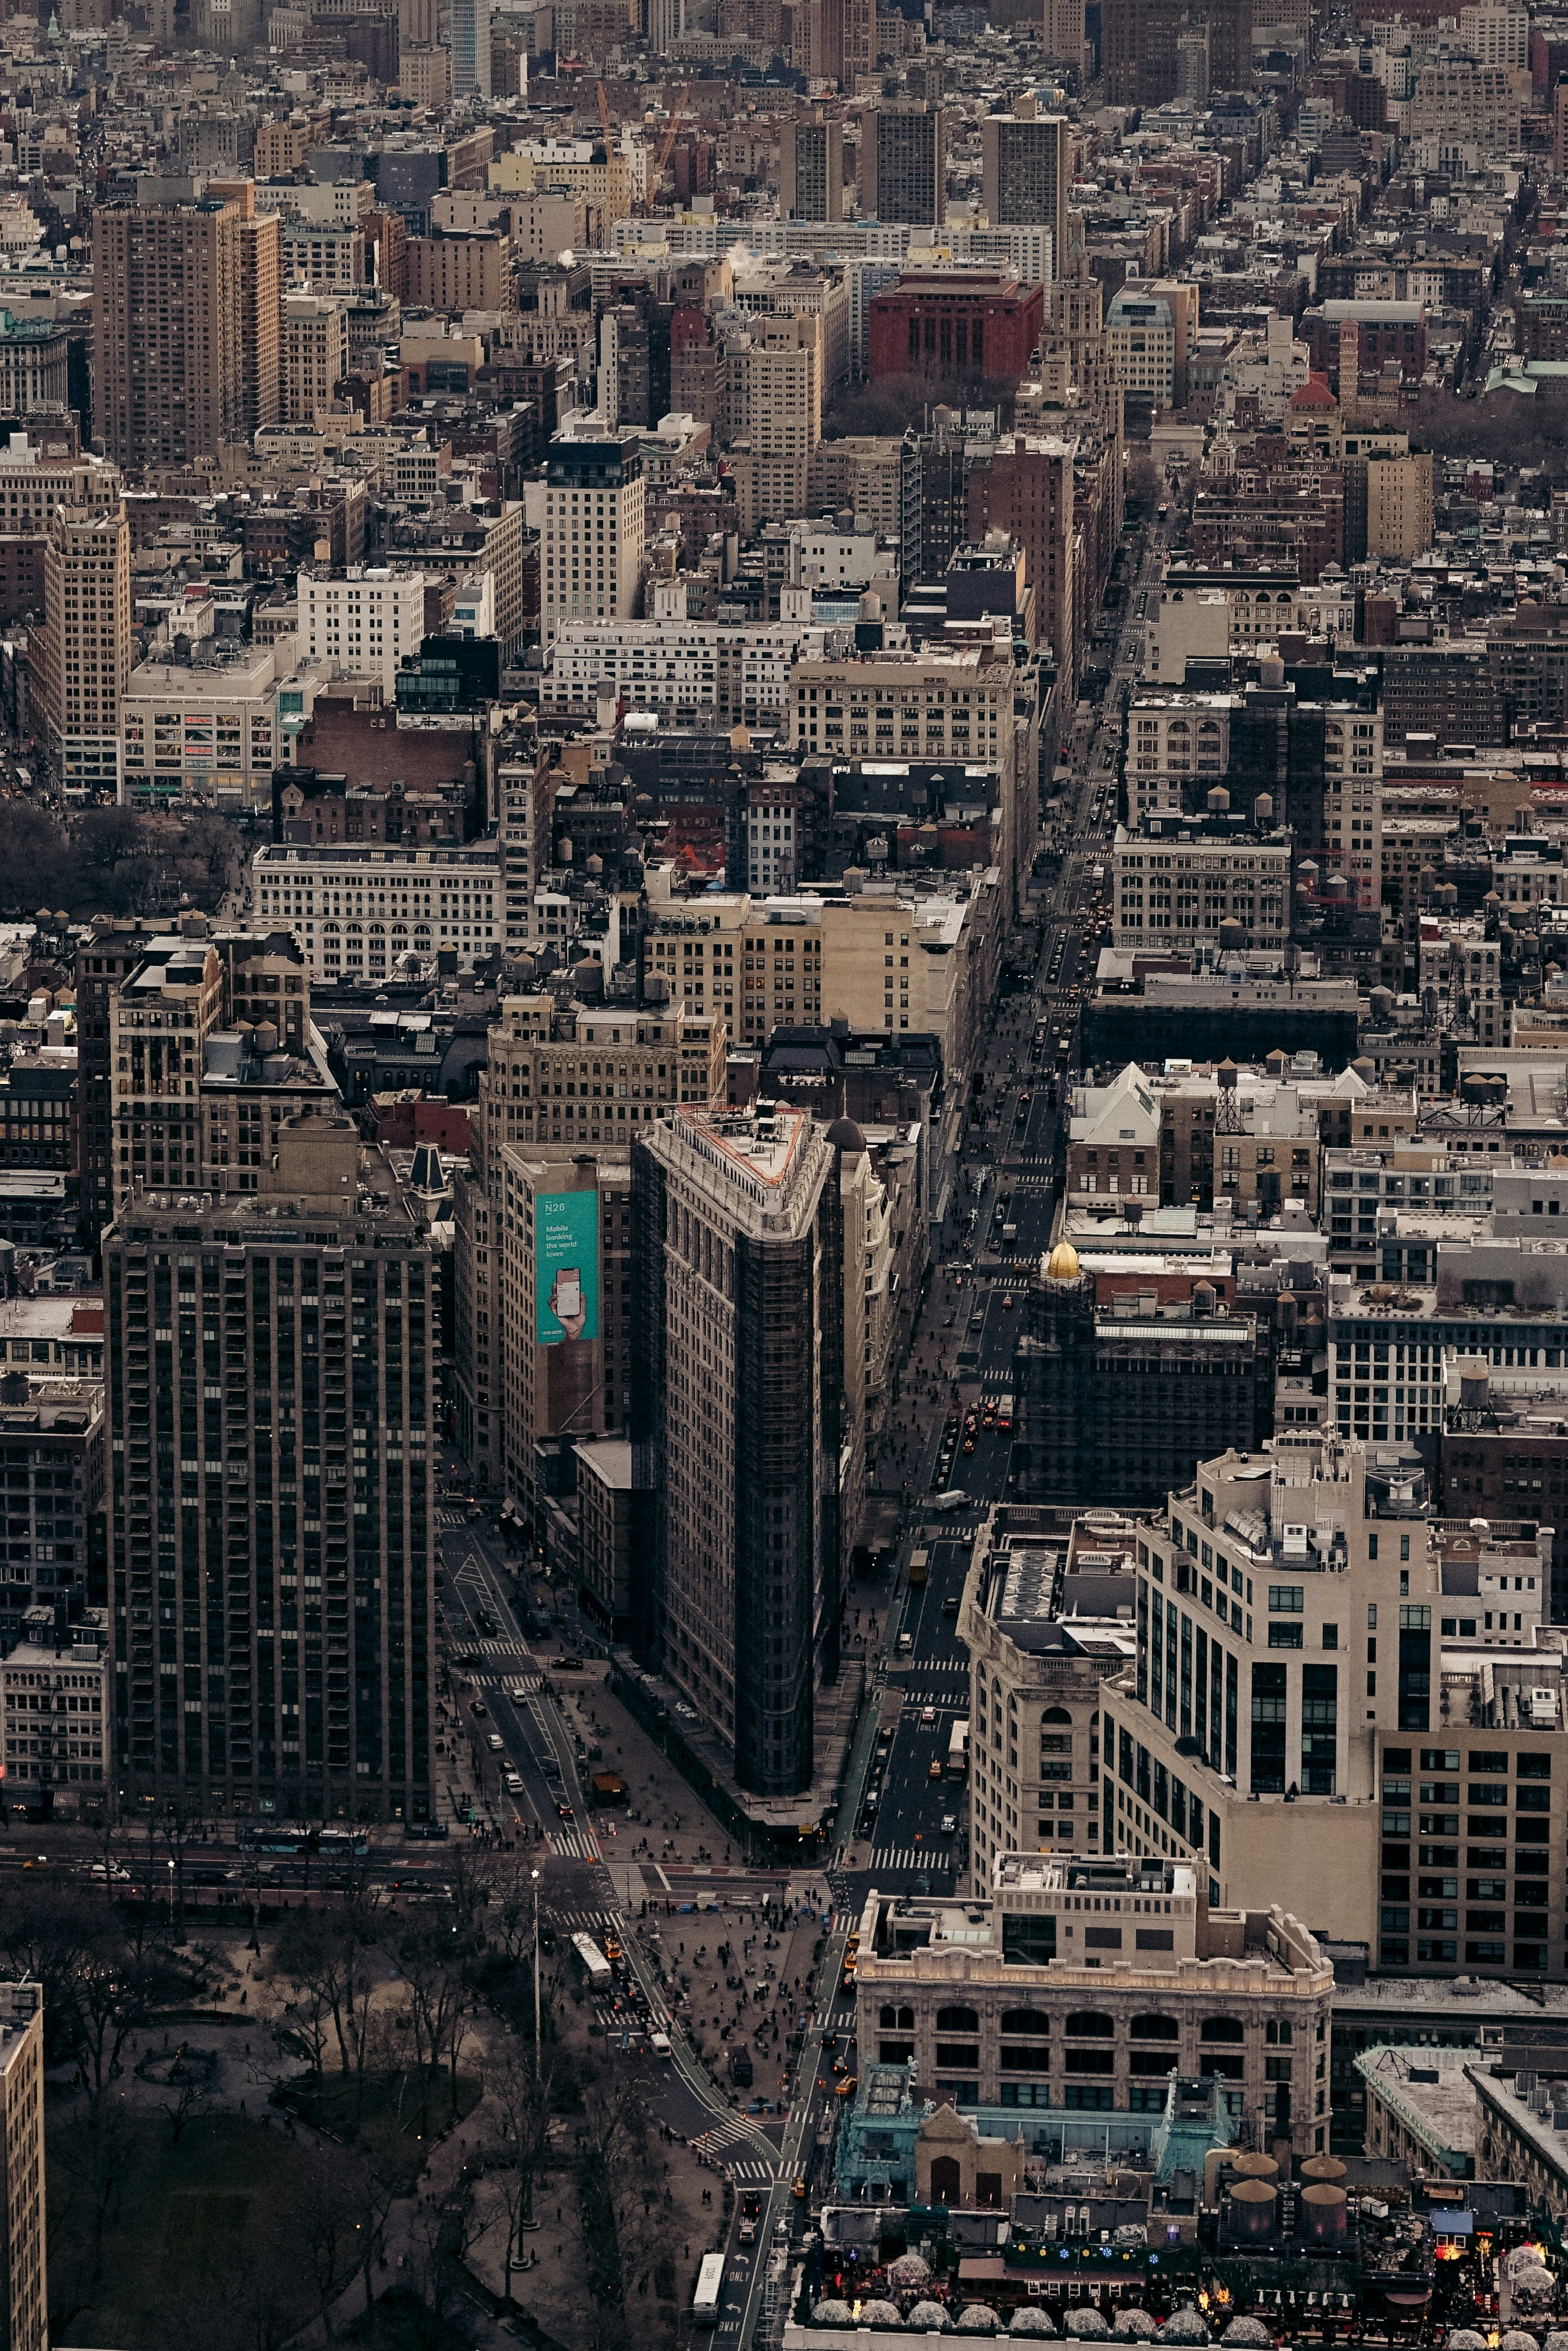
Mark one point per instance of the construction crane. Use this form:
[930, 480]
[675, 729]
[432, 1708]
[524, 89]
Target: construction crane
[605, 125]
[667, 144]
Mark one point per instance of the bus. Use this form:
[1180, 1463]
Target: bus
[709, 2287]
[303, 1844]
[958, 1751]
[595, 1966]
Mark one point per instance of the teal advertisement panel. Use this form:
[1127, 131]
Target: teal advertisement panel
[565, 1267]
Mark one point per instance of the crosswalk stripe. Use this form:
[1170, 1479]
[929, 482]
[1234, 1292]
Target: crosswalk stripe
[574, 1844]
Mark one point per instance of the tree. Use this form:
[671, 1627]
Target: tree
[893, 403]
[375, 2180]
[618, 2199]
[1145, 481]
[508, 1921]
[111, 1989]
[178, 1828]
[520, 2102]
[189, 2096]
[321, 1954]
[94, 1982]
[303, 2018]
[434, 1968]
[1510, 428]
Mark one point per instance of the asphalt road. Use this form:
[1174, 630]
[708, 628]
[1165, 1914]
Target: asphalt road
[964, 1350]
[962, 1356]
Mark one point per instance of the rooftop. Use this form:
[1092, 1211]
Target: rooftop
[1116, 1874]
[1431, 2092]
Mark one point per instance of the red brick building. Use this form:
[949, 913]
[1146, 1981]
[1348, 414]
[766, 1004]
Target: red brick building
[406, 1118]
[974, 322]
[1373, 331]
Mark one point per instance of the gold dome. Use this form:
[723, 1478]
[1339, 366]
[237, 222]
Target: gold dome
[1062, 1265]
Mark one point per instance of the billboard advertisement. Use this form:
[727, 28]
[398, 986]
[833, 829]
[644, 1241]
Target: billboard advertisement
[565, 1267]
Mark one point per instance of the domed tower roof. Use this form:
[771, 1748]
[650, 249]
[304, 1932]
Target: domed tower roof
[1062, 1265]
[845, 1135]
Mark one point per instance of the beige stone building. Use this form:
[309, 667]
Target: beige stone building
[790, 287]
[1456, 99]
[284, 147]
[548, 224]
[463, 273]
[1076, 1982]
[590, 563]
[24, 2261]
[1178, 879]
[425, 76]
[190, 728]
[863, 473]
[881, 958]
[87, 646]
[1033, 1761]
[952, 704]
[1496, 33]
[773, 404]
[1400, 504]
[1295, 1718]
[314, 354]
[583, 167]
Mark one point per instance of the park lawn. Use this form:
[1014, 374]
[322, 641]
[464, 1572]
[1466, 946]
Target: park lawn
[177, 2208]
[389, 2103]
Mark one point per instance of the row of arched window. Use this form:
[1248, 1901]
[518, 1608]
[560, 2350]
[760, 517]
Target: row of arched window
[1083, 2024]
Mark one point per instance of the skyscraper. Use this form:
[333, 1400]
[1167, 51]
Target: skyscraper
[811, 170]
[470, 48]
[169, 342]
[87, 645]
[1139, 46]
[314, 355]
[1024, 484]
[272, 1408]
[1027, 172]
[1064, 31]
[263, 981]
[904, 164]
[774, 404]
[736, 1399]
[594, 499]
[260, 304]
[110, 949]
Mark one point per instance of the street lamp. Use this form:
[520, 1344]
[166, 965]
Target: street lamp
[538, 2021]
